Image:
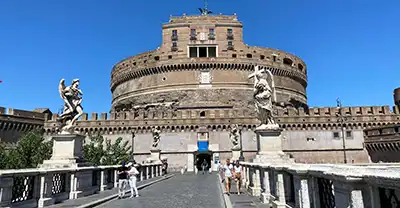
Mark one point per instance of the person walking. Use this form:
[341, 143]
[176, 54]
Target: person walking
[237, 171]
[122, 180]
[132, 173]
[227, 170]
[204, 166]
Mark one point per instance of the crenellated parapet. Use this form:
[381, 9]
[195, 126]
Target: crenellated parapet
[289, 119]
[14, 122]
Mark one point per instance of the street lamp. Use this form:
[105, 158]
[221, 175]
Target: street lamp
[241, 158]
[132, 145]
[342, 119]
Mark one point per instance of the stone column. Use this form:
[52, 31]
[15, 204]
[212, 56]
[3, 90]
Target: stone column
[147, 172]
[103, 182]
[142, 173]
[349, 192]
[46, 183]
[266, 193]
[248, 171]
[301, 186]
[280, 202]
[6, 184]
[73, 182]
[255, 189]
[244, 179]
[115, 178]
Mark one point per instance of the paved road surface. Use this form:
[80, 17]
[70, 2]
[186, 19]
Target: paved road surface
[181, 191]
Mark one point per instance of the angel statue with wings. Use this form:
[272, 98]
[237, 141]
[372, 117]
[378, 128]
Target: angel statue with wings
[156, 136]
[264, 96]
[234, 136]
[72, 97]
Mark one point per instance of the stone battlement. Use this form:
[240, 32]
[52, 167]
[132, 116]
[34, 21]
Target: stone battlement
[38, 113]
[232, 113]
[219, 18]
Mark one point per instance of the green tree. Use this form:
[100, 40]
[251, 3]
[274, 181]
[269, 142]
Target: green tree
[94, 151]
[117, 153]
[97, 153]
[30, 151]
[3, 156]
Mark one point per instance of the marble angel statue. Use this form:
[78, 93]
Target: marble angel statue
[156, 136]
[234, 136]
[72, 97]
[264, 97]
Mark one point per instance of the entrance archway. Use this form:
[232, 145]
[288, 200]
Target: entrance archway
[200, 157]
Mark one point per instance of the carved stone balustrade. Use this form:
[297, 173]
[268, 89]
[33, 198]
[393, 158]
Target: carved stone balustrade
[41, 187]
[324, 185]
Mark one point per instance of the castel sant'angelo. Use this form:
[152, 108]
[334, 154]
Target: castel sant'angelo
[195, 86]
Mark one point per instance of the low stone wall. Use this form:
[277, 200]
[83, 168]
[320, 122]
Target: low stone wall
[43, 187]
[324, 185]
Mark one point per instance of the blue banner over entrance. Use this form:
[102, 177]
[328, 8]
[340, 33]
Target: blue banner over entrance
[202, 146]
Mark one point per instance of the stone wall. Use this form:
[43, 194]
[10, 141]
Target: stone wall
[14, 123]
[383, 143]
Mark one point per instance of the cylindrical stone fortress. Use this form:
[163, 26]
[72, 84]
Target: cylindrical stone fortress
[204, 63]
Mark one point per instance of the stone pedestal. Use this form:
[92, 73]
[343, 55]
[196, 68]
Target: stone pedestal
[67, 152]
[154, 156]
[269, 146]
[236, 154]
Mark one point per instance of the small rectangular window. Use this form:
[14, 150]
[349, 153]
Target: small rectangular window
[229, 30]
[229, 43]
[193, 31]
[211, 30]
[174, 32]
[174, 44]
[336, 135]
[202, 51]
[212, 52]
[349, 134]
[193, 52]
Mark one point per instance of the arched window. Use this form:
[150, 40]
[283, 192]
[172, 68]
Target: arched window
[287, 61]
[202, 114]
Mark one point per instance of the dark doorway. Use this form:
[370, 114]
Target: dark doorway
[200, 157]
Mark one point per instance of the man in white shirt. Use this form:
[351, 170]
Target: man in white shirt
[237, 172]
[132, 173]
[227, 170]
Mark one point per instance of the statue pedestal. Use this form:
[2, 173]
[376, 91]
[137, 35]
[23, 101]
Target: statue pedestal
[236, 153]
[154, 156]
[67, 152]
[269, 146]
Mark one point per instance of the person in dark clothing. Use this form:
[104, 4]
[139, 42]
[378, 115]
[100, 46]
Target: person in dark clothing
[204, 165]
[164, 167]
[122, 180]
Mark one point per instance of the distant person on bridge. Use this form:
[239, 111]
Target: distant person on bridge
[227, 172]
[204, 165]
[122, 180]
[237, 172]
[133, 172]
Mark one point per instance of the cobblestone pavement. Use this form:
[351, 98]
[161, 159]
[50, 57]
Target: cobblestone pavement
[244, 199]
[180, 191]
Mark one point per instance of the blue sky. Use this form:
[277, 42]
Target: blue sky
[351, 47]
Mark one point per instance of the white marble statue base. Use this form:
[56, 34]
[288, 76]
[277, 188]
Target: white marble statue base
[154, 156]
[269, 146]
[235, 154]
[67, 152]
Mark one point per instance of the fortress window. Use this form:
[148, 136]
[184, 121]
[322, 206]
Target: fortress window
[349, 134]
[212, 52]
[211, 35]
[300, 66]
[157, 58]
[249, 55]
[229, 34]
[335, 135]
[287, 61]
[202, 114]
[234, 55]
[193, 34]
[202, 52]
[262, 57]
[169, 57]
[273, 58]
[174, 44]
[193, 52]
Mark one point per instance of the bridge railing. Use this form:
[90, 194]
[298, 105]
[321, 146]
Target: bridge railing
[43, 187]
[324, 185]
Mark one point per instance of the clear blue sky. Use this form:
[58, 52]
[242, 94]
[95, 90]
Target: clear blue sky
[351, 47]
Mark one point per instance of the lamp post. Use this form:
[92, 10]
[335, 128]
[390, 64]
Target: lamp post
[342, 119]
[132, 145]
[241, 158]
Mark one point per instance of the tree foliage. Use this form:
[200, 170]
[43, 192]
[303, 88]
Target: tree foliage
[29, 152]
[110, 154]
